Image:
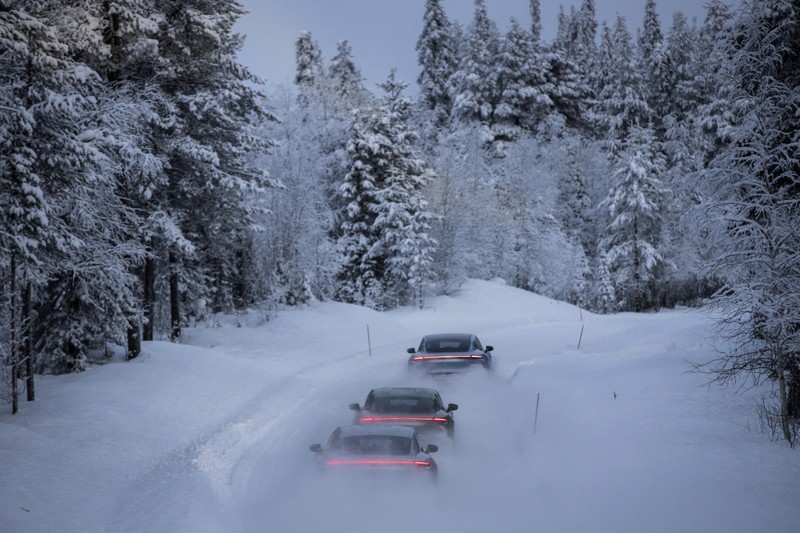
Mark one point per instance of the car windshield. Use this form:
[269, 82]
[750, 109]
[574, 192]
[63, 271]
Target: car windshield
[377, 445]
[451, 344]
[395, 404]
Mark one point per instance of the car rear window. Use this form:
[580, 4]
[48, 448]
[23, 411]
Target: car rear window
[447, 345]
[377, 445]
[402, 405]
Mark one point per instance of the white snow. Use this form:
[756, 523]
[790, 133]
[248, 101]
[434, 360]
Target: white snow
[212, 434]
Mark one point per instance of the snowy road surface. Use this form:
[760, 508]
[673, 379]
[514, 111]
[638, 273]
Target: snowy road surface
[212, 435]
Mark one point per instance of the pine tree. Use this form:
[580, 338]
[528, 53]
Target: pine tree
[715, 118]
[536, 22]
[605, 297]
[310, 71]
[437, 59]
[385, 243]
[576, 208]
[209, 142]
[684, 100]
[122, 49]
[654, 66]
[569, 65]
[360, 274]
[30, 68]
[621, 104]
[518, 83]
[632, 240]
[77, 145]
[308, 57]
[346, 77]
[475, 80]
[586, 36]
[404, 222]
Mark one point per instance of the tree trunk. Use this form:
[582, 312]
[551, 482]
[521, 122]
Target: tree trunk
[781, 370]
[113, 39]
[13, 335]
[134, 341]
[28, 340]
[149, 298]
[174, 300]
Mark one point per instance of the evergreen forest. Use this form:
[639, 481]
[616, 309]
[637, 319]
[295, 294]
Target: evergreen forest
[149, 181]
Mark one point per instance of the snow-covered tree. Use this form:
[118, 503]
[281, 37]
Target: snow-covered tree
[437, 58]
[209, 141]
[519, 83]
[79, 247]
[575, 207]
[385, 243]
[715, 118]
[682, 100]
[621, 104]
[345, 77]
[632, 239]
[475, 80]
[293, 258]
[28, 40]
[753, 214]
[308, 58]
[653, 63]
[536, 22]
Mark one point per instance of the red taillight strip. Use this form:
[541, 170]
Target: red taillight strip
[368, 419]
[337, 462]
[426, 357]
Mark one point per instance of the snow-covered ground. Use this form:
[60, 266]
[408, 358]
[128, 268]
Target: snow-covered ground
[212, 435]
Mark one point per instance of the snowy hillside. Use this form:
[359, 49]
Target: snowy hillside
[212, 435]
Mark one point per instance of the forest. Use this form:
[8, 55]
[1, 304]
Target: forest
[149, 181]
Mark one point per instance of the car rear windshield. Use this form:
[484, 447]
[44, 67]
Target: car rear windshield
[377, 445]
[413, 404]
[447, 345]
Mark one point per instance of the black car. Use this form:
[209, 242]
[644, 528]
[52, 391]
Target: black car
[380, 450]
[418, 407]
[446, 353]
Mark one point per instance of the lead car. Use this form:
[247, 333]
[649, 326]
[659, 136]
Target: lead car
[378, 450]
[449, 353]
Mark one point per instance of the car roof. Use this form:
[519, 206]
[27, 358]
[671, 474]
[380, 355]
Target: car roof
[393, 431]
[418, 392]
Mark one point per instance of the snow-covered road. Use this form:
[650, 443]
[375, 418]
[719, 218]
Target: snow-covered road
[213, 435]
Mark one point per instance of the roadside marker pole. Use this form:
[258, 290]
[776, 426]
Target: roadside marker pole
[536, 417]
[580, 337]
[369, 342]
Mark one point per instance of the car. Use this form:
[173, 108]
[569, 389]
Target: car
[379, 450]
[418, 407]
[447, 353]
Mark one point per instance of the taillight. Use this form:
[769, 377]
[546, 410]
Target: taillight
[428, 357]
[370, 419]
[338, 462]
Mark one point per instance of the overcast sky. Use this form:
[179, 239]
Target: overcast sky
[383, 33]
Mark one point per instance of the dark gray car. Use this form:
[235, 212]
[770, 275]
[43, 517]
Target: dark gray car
[376, 450]
[418, 407]
[447, 353]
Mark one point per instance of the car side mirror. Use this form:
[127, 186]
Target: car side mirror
[355, 407]
[452, 407]
[430, 448]
[316, 448]
[411, 350]
[489, 348]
